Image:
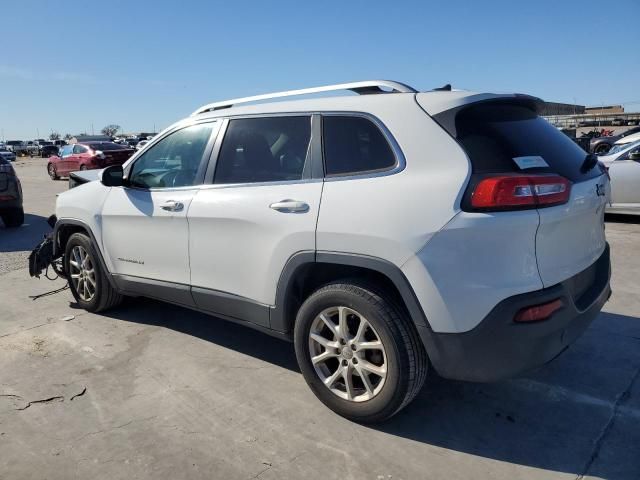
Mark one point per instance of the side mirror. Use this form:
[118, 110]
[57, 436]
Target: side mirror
[635, 156]
[112, 176]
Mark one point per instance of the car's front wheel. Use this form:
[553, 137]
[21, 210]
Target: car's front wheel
[358, 353]
[87, 279]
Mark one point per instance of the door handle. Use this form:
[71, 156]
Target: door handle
[172, 206]
[290, 206]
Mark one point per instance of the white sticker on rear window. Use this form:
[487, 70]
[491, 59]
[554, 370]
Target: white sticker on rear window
[534, 161]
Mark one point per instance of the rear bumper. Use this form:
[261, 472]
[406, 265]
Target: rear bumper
[500, 348]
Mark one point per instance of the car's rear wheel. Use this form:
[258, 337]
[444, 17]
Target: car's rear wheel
[83, 167]
[51, 169]
[602, 148]
[358, 353]
[87, 279]
[13, 217]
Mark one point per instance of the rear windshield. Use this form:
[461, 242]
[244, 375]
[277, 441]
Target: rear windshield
[499, 137]
[107, 146]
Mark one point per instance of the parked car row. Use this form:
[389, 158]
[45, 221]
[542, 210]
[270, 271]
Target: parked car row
[33, 148]
[601, 145]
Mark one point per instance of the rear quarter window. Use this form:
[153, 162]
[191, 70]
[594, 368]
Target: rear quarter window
[493, 134]
[354, 145]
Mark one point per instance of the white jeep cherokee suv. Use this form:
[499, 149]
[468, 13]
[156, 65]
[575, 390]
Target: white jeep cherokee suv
[387, 234]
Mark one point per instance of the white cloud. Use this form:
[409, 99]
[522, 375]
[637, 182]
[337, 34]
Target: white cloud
[72, 77]
[24, 74]
[15, 72]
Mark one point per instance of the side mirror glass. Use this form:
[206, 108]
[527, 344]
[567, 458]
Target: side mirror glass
[112, 176]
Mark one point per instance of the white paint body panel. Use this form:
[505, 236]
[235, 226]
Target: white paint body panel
[392, 217]
[84, 203]
[473, 263]
[239, 245]
[136, 229]
[571, 236]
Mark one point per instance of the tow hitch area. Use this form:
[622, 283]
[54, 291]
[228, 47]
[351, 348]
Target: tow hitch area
[42, 256]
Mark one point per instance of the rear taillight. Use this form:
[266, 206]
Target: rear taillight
[537, 313]
[504, 192]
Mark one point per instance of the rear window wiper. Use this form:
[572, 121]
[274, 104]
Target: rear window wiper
[590, 161]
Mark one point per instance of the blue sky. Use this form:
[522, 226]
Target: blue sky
[68, 65]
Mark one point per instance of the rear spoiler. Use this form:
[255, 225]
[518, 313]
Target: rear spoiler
[447, 118]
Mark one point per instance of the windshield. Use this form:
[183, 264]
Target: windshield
[497, 135]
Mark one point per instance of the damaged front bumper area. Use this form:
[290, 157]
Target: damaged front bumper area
[42, 256]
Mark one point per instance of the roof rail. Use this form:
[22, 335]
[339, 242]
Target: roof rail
[362, 88]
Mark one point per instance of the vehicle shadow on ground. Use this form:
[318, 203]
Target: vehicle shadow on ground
[25, 237]
[221, 332]
[525, 421]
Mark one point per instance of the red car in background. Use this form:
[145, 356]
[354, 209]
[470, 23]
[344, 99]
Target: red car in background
[87, 156]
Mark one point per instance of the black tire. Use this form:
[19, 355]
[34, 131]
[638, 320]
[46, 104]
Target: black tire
[406, 358]
[83, 167]
[602, 148]
[13, 217]
[105, 296]
[51, 170]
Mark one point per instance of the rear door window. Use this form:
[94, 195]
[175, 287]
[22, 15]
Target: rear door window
[354, 145]
[497, 135]
[257, 150]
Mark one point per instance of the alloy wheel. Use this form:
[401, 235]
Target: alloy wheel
[83, 274]
[347, 354]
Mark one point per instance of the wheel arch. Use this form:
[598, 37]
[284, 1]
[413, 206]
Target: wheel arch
[66, 227]
[307, 271]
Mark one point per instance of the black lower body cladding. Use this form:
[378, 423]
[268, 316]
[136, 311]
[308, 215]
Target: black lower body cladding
[499, 347]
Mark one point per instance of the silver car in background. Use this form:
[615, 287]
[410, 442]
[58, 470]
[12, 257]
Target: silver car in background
[623, 162]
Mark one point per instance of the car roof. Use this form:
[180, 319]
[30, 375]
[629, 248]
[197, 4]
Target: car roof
[372, 93]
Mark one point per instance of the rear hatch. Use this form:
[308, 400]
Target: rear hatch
[505, 138]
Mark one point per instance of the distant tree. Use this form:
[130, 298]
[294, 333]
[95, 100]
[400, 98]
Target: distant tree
[110, 130]
[68, 136]
[54, 136]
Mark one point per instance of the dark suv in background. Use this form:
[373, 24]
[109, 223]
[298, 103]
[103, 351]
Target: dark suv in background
[11, 210]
